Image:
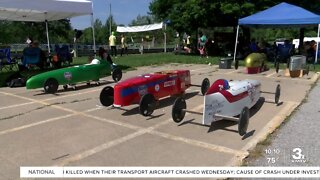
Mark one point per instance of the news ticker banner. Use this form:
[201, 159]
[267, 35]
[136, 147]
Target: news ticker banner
[169, 172]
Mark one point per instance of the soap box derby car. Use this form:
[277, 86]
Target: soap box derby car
[224, 100]
[51, 80]
[146, 89]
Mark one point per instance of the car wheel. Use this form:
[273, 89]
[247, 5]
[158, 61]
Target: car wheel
[205, 85]
[51, 85]
[277, 64]
[106, 96]
[177, 112]
[147, 105]
[117, 74]
[243, 121]
[277, 94]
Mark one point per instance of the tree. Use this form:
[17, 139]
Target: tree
[142, 20]
[113, 25]
[16, 32]
[189, 15]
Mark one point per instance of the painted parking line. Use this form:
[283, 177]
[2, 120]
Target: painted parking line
[200, 69]
[42, 122]
[234, 71]
[205, 145]
[16, 105]
[42, 102]
[49, 99]
[75, 94]
[105, 146]
[269, 75]
[151, 130]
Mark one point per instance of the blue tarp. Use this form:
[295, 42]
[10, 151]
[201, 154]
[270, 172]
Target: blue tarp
[282, 14]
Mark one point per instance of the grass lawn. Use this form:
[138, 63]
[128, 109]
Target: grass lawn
[132, 61]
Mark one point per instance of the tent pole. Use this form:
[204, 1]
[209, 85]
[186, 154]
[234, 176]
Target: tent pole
[165, 38]
[47, 31]
[235, 45]
[316, 58]
[93, 34]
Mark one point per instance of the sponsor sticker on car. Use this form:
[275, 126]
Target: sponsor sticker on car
[68, 75]
[169, 83]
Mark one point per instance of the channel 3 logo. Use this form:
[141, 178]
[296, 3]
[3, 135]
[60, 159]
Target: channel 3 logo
[297, 156]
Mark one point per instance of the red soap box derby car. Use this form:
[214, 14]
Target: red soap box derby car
[224, 100]
[146, 89]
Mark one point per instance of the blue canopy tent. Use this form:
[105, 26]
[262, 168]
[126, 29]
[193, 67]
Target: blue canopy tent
[281, 15]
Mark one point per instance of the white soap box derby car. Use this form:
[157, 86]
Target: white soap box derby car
[224, 100]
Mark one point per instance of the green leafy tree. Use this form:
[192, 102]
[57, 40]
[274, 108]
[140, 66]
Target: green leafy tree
[189, 15]
[16, 32]
[142, 20]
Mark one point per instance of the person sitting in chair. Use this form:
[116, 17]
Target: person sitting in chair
[33, 55]
[104, 55]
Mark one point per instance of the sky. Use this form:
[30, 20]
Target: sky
[123, 11]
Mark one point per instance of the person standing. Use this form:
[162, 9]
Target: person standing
[112, 44]
[188, 41]
[123, 45]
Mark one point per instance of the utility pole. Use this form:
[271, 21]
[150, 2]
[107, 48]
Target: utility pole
[110, 21]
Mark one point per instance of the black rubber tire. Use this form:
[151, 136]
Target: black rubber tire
[243, 121]
[51, 86]
[106, 96]
[147, 105]
[262, 69]
[277, 94]
[205, 85]
[177, 113]
[65, 87]
[277, 66]
[117, 74]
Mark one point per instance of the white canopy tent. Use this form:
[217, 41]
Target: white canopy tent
[45, 10]
[149, 27]
[144, 28]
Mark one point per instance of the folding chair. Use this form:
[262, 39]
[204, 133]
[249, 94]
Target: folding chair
[6, 62]
[32, 57]
[63, 56]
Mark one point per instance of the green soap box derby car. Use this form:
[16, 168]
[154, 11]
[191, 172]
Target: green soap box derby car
[51, 80]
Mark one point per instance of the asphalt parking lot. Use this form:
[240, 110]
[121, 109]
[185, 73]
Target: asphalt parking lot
[71, 128]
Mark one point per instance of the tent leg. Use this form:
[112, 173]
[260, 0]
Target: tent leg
[235, 45]
[165, 38]
[47, 31]
[93, 35]
[316, 58]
